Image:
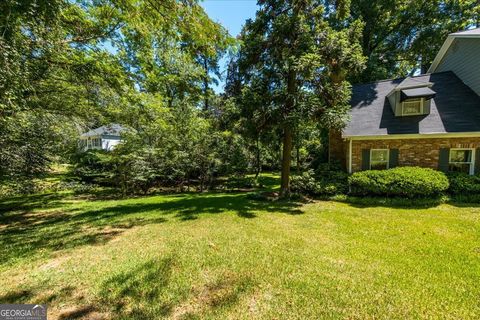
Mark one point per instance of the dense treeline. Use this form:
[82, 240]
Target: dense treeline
[150, 65]
[69, 65]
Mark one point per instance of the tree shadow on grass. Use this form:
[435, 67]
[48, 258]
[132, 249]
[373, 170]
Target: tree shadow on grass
[31, 202]
[137, 293]
[409, 203]
[147, 290]
[25, 234]
[54, 297]
[17, 296]
[394, 202]
[189, 207]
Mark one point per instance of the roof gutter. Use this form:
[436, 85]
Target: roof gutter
[350, 155]
[416, 136]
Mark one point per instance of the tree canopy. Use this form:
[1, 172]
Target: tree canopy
[68, 65]
[151, 65]
[292, 67]
[402, 37]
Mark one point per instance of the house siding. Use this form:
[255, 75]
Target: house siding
[110, 143]
[463, 59]
[412, 152]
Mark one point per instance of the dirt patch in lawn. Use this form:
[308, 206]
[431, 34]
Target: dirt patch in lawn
[224, 291]
[80, 312]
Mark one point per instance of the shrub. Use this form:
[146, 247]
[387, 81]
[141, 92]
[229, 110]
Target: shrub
[93, 166]
[462, 184]
[324, 182]
[403, 181]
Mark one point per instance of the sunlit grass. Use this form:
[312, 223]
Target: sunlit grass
[222, 255]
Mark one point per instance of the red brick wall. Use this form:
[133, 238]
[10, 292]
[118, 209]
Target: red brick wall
[337, 148]
[412, 152]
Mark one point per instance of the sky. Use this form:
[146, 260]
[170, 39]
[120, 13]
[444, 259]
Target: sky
[232, 15]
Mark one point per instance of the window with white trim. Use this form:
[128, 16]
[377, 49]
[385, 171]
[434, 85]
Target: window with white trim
[379, 159]
[461, 160]
[412, 107]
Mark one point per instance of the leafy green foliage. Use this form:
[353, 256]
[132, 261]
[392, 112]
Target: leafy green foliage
[173, 147]
[314, 184]
[401, 181]
[69, 65]
[463, 184]
[291, 69]
[400, 37]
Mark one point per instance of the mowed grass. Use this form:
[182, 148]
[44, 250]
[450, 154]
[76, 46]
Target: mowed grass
[224, 256]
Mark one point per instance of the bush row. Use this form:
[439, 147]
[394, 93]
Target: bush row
[407, 182]
[464, 184]
[402, 181]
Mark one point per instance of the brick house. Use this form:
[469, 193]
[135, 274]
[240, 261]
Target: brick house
[431, 120]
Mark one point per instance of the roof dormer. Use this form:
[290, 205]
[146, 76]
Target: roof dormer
[411, 97]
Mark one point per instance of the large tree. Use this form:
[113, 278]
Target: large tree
[402, 37]
[68, 64]
[172, 47]
[53, 78]
[296, 63]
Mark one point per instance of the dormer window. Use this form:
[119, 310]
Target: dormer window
[412, 97]
[412, 107]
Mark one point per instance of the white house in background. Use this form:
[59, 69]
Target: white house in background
[105, 138]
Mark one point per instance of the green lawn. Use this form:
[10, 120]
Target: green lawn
[222, 255]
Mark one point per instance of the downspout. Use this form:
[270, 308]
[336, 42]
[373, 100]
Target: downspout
[350, 156]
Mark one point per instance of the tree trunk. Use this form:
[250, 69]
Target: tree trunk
[286, 161]
[259, 164]
[201, 183]
[298, 158]
[288, 134]
[206, 105]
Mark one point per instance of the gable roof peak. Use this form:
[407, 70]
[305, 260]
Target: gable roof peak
[467, 33]
[413, 82]
[112, 129]
[472, 33]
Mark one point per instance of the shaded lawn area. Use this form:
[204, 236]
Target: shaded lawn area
[223, 255]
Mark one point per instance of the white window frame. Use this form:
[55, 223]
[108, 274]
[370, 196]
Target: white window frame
[388, 157]
[471, 170]
[422, 107]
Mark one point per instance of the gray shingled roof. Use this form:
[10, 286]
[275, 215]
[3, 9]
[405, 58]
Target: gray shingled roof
[412, 81]
[455, 108]
[471, 32]
[113, 129]
[417, 93]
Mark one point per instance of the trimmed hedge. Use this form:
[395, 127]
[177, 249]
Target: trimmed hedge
[402, 181]
[463, 184]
